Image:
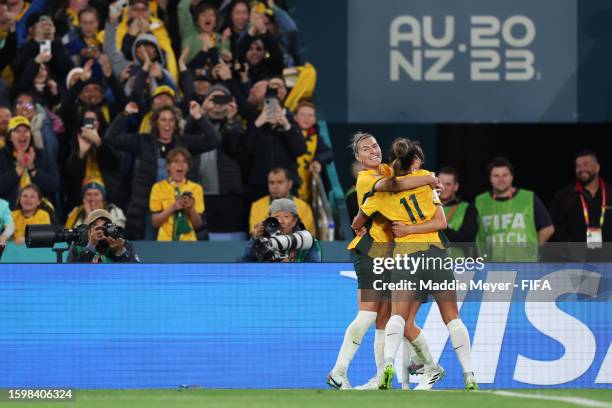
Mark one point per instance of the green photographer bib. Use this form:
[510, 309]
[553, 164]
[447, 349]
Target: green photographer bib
[455, 214]
[506, 230]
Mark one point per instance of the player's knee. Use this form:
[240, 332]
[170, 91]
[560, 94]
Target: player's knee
[362, 322]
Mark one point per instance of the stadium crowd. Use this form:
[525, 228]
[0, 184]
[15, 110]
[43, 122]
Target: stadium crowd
[185, 119]
[174, 116]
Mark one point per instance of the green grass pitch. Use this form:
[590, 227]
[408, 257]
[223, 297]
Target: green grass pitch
[325, 398]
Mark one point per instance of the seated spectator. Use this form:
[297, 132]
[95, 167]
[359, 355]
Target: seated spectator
[198, 32]
[91, 157]
[219, 170]
[150, 151]
[279, 186]
[318, 153]
[7, 226]
[260, 50]
[286, 212]
[5, 117]
[139, 23]
[177, 204]
[41, 28]
[100, 247]
[94, 198]
[30, 210]
[22, 164]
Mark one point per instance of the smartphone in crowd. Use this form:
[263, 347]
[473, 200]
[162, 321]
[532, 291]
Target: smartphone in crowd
[118, 6]
[221, 99]
[45, 46]
[271, 102]
[88, 123]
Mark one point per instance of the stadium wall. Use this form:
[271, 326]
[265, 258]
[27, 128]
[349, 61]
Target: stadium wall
[267, 326]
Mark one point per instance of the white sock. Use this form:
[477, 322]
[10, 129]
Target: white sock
[394, 333]
[352, 340]
[379, 350]
[407, 353]
[460, 339]
[413, 356]
[421, 350]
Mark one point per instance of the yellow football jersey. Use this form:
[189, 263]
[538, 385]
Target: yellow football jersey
[414, 206]
[380, 230]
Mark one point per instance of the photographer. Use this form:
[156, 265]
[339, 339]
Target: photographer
[283, 240]
[105, 244]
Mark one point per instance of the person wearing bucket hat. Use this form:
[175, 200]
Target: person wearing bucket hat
[105, 242]
[94, 197]
[22, 164]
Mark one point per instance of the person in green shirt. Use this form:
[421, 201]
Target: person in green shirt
[512, 217]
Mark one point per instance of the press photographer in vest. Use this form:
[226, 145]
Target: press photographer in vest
[580, 211]
[105, 243]
[512, 221]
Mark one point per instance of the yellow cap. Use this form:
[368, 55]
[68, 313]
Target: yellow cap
[164, 89]
[17, 121]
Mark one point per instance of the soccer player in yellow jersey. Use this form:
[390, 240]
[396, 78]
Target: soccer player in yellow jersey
[374, 177]
[418, 219]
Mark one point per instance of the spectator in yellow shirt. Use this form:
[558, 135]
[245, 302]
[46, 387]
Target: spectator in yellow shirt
[177, 204]
[29, 211]
[279, 186]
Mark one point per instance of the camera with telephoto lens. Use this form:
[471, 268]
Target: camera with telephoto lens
[46, 236]
[274, 246]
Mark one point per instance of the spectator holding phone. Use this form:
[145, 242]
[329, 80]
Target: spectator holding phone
[91, 157]
[177, 203]
[272, 141]
[82, 43]
[219, 170]
[43, 41]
